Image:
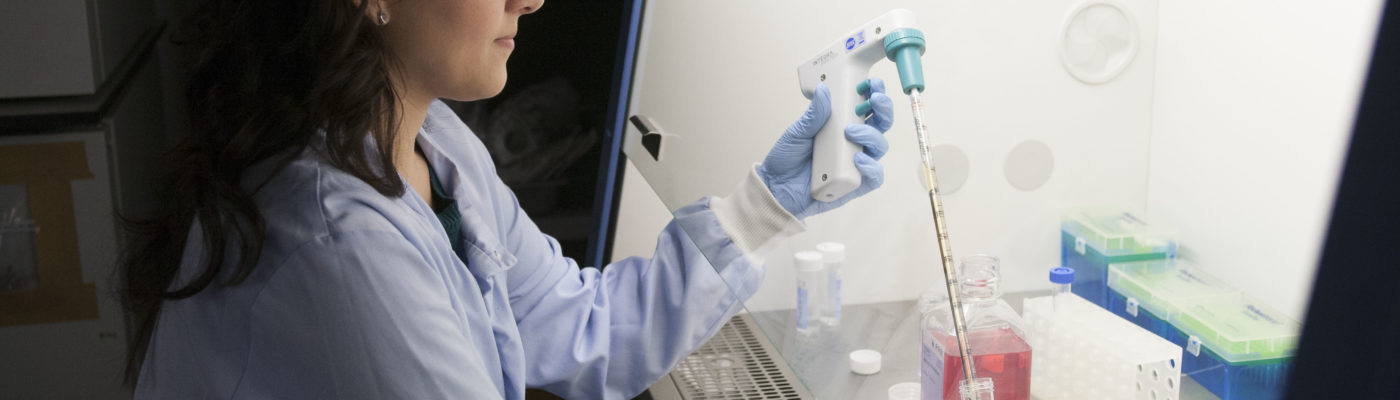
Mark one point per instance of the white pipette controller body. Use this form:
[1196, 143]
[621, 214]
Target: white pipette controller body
[842, 66]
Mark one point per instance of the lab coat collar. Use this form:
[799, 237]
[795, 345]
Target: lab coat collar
[483, 248]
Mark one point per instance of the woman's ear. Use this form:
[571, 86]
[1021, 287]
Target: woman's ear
[376, 10]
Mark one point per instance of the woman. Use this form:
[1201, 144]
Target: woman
[295, 261]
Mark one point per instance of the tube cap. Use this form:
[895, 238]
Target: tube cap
[1062, 275]
[904, 391]
[865, 362]
[807, 261]
[832, 251]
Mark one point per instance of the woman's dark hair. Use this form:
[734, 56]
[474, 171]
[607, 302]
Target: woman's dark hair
[266, 77]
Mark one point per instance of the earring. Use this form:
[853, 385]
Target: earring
[383, 18]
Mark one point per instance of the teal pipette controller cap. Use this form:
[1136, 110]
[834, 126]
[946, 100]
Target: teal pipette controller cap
[904, 46]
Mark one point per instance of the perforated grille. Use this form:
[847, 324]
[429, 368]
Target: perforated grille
[736, 364]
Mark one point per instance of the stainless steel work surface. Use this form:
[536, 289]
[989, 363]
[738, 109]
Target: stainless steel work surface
[821, 362]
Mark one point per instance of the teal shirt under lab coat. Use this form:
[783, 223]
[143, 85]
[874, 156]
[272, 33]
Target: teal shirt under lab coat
[358, 295]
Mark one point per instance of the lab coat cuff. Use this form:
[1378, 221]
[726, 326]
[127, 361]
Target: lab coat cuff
[752, 216]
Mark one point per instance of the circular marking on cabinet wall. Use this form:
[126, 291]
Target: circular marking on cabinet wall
[951, 165]
[1029, 165]
[1098, 41]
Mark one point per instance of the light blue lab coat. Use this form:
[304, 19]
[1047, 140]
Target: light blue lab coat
[358, 295]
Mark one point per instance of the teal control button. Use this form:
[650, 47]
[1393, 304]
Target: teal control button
[863, 109]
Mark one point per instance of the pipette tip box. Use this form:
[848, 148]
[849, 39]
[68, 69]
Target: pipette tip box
[1083, 352]
[1235, 346]
[1093, 238]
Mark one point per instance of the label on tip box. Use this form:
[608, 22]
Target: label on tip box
[1079, 245]
[1193, 346]
[1132, 306]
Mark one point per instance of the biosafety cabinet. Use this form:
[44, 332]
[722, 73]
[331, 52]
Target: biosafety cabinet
[1183, 157]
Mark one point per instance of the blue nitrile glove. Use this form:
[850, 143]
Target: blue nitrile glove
[787, 170]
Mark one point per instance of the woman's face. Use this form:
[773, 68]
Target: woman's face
[455, 49]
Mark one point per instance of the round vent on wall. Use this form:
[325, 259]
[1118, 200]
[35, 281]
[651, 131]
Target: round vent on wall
[1029, 165]
[951, 165]
[1098, 41]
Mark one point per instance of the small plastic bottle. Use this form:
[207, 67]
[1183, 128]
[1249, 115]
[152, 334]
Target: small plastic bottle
[977, 389]
[995, 335]
[811, 290]
[1061, 277]
[931, 298]
[833, 255]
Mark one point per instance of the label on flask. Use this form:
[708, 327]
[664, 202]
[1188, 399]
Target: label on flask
[931, 381]
[801, 307]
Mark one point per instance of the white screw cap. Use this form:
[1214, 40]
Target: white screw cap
[832, 251]
[905, 391]
[807, 261]
[865, 362]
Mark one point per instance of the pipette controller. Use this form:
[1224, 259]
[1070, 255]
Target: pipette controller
[845, 65]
